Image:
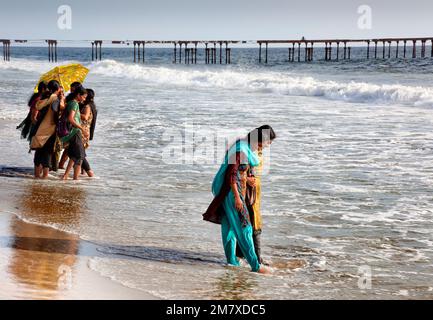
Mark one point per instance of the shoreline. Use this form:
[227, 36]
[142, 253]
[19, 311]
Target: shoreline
[39, 262]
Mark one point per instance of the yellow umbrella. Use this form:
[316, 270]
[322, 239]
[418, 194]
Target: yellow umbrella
[65, 75]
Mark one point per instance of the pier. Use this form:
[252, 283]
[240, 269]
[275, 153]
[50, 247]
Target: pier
[6, 49]
[220, 51]
[347, 48]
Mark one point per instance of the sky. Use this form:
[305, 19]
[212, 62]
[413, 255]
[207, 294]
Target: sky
[212, 19]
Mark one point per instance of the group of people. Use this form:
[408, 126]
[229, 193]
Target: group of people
[236, 205]
[56, 123]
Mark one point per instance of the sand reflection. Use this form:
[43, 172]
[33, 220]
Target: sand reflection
[236, 285]
[43, 261]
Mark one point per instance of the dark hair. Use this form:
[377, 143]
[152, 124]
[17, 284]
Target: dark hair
[52, 87]
[75, 85]
[90, 96]
[78, 91]
[91, 102]
[262, 134]
[42, 86]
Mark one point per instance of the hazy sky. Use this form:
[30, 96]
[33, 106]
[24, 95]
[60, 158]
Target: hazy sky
[212, 19]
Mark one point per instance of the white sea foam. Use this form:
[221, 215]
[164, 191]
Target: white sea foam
[269, 82]
[255, 80]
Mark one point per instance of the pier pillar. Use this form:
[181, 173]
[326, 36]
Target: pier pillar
[384, 48]
[260, 52]
[175, 53]
[221, 52]
[6, 50]
[306, 52]
[293, 52]
[100, 48]
[195, 53]
[396, 49]
[299, 52]
[180, 52]
[93, 52]
[404, 48]
[144, 48]
[98, 43]
[52, 50]
[229, 55]
[338, 50]
[326, 51]
[423, 48]
[49, 50]
[349, 52]
[345, 50]
[368, 49]
[375, 49]
[206, 54]
[214, 53]
[139, 54]
[414, 49]
[432, 48]
[186, 52]
[312, 51]
[227, 52]
[266, 53]
[389, 49]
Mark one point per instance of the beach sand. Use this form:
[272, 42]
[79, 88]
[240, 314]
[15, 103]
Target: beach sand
[39, 262]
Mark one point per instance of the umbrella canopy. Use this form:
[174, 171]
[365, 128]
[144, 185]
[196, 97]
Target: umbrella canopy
[65, 75]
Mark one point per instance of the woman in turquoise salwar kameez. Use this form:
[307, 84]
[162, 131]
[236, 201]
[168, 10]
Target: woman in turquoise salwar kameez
[229, 207]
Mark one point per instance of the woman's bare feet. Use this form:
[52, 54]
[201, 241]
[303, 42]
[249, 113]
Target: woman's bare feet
[90, 174]
[264, 270]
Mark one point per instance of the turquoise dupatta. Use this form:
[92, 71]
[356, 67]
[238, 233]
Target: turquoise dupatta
[240, 146]
[234, 229]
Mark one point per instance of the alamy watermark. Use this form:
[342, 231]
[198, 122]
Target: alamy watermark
[195, 146]
[365, 20]
[64, 21]
[365, 275]
[64, 281]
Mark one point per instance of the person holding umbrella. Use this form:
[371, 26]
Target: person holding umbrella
[44, 131]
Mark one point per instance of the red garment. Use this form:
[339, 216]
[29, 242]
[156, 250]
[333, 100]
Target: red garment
[33, 110]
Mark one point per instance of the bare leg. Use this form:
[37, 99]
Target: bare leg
[63, 160]
[45, 172]
[85, 167]
[38, 171]
[77, 171]
[68, 169]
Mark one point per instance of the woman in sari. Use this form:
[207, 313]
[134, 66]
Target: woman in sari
[32, 116]
[88, 117]
[43, 135]
[229, 207]
[254, 194]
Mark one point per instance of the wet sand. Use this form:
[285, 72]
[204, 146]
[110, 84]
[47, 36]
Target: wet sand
[39, 262]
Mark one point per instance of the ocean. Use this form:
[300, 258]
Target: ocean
[347, 194]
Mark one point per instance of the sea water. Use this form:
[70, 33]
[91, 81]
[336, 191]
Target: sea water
[347, 194]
